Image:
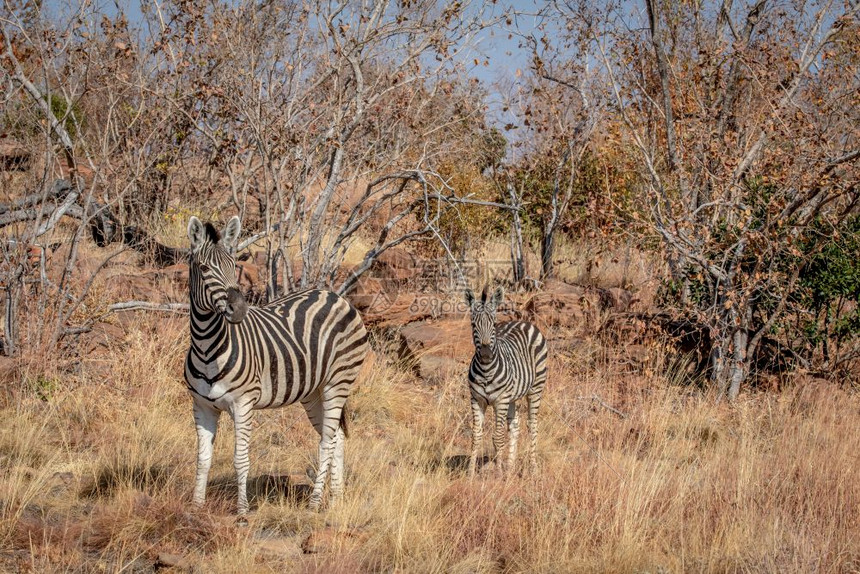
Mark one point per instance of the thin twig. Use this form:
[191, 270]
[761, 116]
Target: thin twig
[596, 398]
[148, 306]
[126, 306]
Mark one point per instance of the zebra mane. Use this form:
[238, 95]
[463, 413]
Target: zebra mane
[213, 234]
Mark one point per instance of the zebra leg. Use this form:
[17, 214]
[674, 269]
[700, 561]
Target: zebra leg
[337, 466]
[478, 408]
[534, 398]
[327, 444]
[324, 415]
[241, 461]
[513, 434]
[501, 414]
[206, 420]
[314, 410]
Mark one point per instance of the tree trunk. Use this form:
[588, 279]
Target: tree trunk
[547, 250]
[730, 353]
[739, 365]
[317, 227]
[721, 365]
[517, 261]
[10, 323]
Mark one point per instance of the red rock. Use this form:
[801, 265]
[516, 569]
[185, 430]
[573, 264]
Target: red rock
[434, 369]
[576, 313]
[168, 560]
[374, 294]
[278, 546]
[437, 349]
[248, 275]
[392, 312]
[616, 299]
[562, 288]
[395, 263]
[447, 338]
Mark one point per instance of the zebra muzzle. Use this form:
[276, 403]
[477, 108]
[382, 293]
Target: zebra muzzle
[236, 307]
[485, 352]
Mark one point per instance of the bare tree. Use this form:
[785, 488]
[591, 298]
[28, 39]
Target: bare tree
[325, 125]
[558, 110]
[78, 99]
[740, 116]
[303, 106]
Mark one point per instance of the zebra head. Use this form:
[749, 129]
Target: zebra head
[483, 313]
[212, 269]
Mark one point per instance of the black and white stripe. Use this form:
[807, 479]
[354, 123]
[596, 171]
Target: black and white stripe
[306, 347]
[509, 363]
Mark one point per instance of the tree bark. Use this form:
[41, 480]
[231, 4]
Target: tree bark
[666, 91]
[317, 228]
[558, 206]
[740, 363]
[519, 269]
[10, 323]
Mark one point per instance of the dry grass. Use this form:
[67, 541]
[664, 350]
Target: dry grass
[97, 474]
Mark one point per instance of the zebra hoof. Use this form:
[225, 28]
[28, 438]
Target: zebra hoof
[242, 521]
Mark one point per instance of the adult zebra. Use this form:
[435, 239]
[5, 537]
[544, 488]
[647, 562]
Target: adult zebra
[307, 347]
[509, 363]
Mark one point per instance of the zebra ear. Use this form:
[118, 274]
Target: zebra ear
[470, 297]
[498, 296]
[230, 235]
[196, 232]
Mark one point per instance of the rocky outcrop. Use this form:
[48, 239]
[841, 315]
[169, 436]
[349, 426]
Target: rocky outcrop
[617, 300]
[397, 263]
[436, 350]
[574, 313]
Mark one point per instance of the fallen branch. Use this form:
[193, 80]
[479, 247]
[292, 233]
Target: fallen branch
[104, 226]
[147, 306]
[126, 306]
[33, 206]
[61, 210]
[60, 188]
[26, 214]
[596, 399]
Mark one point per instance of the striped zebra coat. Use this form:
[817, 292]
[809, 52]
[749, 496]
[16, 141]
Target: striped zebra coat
[306, 347]
[509, 364]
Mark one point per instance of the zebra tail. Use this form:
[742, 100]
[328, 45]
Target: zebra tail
[344, 415]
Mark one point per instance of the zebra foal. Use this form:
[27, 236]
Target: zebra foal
[509, 363]
[306, 347]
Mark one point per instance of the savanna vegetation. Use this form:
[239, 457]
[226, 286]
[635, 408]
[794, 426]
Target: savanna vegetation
[668, 190]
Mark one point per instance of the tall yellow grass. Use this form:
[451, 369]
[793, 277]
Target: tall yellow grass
[96, 471]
